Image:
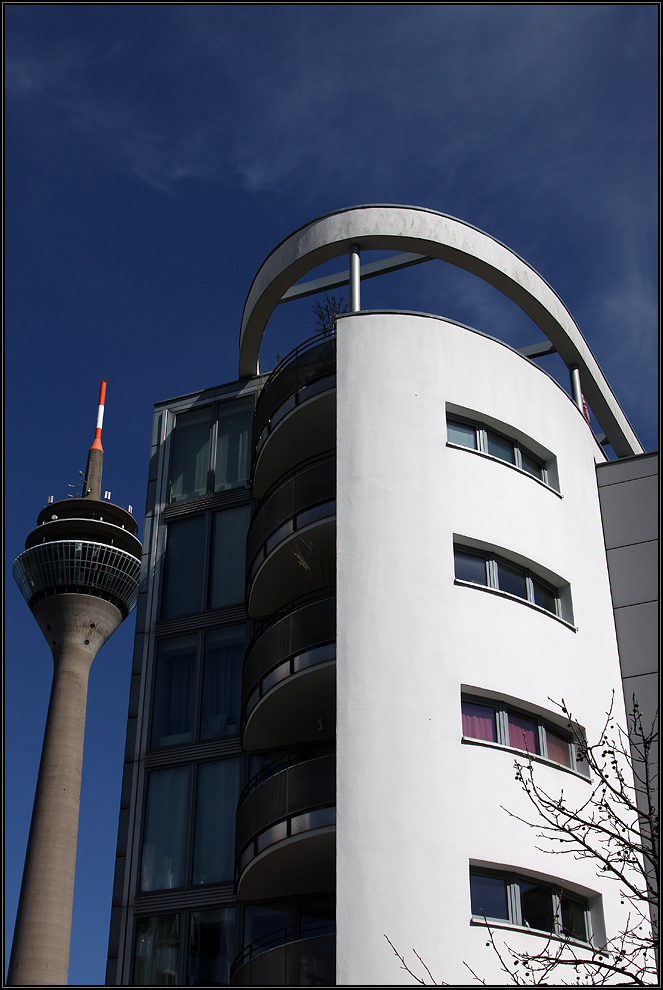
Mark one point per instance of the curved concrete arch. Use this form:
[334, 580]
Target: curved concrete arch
[436, 235]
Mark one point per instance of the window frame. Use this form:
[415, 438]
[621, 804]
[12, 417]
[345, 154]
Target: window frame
[198, 681]
[481, 431]
[501, 709]
[492, 561]
[193, 767]
[185, 918]
[215, 410]
[513, 881]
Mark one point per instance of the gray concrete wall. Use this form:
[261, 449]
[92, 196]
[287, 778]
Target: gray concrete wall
[628, 493]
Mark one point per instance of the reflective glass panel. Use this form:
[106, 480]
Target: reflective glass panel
[174, 687]
[531, 464]
[318, 915]
[228, 555]
[511, 579]
[500, 447]
[233, 454]
[559, 749]
[267, 925]
[573, 918]
[216, 805]
[469, 568]
[164, 841]
[536, 906]
[156, 954]
[523, 733]
[545, 597]
[462, 434]
[183, 568]
[488, 896]
[479, 721]
[211, 948]
[190, 459]
[222, 682]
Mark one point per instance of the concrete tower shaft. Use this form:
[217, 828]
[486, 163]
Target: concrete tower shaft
[79, 575]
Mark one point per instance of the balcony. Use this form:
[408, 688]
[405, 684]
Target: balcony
[291, 543]
[296, 414]
[289, 677]
[285, 836]
[309, 961]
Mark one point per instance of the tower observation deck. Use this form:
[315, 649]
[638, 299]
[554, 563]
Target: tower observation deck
[79, 574]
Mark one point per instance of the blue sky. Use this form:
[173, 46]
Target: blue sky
[156, 153]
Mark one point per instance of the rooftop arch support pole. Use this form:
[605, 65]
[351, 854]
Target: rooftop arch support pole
[576, 388]
[436, 235]
[355, 282]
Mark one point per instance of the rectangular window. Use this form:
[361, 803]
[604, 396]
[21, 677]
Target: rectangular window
[470, 567]
[165, 837]
[519, 730]
[197, 687]
[157, 949]
[216, 805]
[527, 903]
[227, 565]
[174, 692]
[190, 459]
[233, 441]
[488, 569]
[523, 733]
[222, 676]
[183, 568]
[489, 897]
[511, 579]
[462, 433]
[479, 722]
[500, 447]
[477, 436]
[211, 947]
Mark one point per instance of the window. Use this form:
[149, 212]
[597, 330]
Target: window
[161, 958]
[211, 449]
[528, 903]
[170, 826]
[274, 923]
[487, 569]
[512, 726]
[477, 436]
[197, 687]
[184, 566]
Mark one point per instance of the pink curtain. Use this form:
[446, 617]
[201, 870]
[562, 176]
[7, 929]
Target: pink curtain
[523, 733]
[478, 722]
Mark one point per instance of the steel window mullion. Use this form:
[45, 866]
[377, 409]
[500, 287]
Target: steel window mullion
[502, 723]
[530, 587]
[482, 439]
[517, 456]
[557, 911]
[513, 900]
[543, 742]
[492, 574]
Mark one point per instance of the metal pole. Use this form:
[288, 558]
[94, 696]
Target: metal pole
[576, 390]
[354, 279]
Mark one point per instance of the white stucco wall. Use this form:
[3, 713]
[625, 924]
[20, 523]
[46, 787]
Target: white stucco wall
[414, 806]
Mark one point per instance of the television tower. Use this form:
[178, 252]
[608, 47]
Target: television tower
[79, 575]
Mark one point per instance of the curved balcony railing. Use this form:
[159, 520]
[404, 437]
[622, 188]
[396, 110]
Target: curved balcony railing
[294, 380]
[297, 956]
[306, 494]
[80, 568]
[290, 802]
[302, 637]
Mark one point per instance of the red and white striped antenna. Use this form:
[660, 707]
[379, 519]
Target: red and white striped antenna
[96, 443]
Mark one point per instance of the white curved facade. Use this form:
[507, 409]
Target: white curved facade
[415, 806]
